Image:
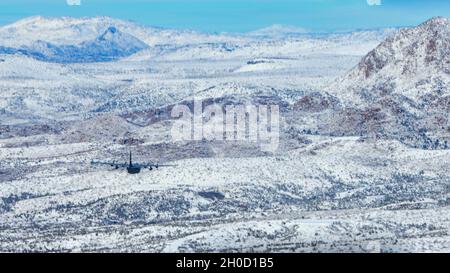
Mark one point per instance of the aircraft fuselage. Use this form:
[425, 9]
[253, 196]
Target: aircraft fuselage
[133, 170]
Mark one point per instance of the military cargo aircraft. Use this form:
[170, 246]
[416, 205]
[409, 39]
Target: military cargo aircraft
[132, 168]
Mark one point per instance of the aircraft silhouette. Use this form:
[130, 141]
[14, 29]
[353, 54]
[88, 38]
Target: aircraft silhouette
[132, 168]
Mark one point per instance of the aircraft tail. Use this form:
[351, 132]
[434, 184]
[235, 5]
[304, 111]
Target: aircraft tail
[131, 162]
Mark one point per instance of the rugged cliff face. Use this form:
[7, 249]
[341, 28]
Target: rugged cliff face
[414, 64]
[412, 49]
[406, 80]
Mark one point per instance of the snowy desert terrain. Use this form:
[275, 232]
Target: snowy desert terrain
[362, 164]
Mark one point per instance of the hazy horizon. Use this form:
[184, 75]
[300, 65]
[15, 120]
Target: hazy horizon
[238, 16]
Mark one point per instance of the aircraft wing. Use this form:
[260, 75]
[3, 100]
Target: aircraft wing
[153, 165]
[112, 164]
[167, 165]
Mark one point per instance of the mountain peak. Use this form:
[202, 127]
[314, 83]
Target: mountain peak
[110, 45]
[438, 20]
[109, 33]
[439, 24]
[427, 44]
[412, 63]
[119, 39]
[63, 30]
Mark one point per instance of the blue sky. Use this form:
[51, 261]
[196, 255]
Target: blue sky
[239, 15]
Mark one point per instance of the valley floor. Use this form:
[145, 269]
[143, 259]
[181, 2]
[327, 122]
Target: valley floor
[333, 195]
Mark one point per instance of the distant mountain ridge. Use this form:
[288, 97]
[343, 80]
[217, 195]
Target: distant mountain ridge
[111, 45]
[90, 39]
[78, 40]
[69, 30]
[278, 30]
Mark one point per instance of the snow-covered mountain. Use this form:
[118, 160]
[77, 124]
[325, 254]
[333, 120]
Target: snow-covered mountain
[59, 30]
[83, 40]
[413, 64]
[403, 86]
[69, 30]
[109, 46]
